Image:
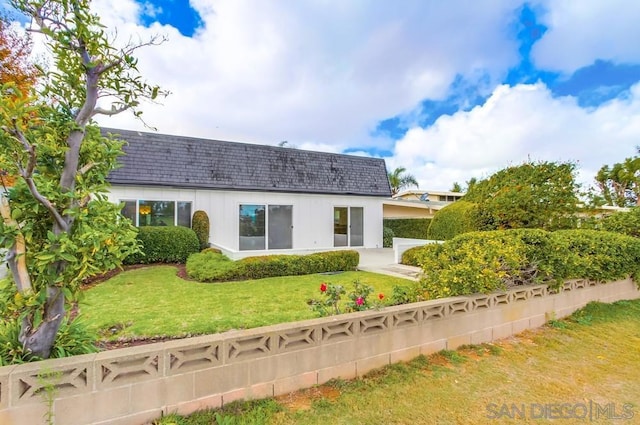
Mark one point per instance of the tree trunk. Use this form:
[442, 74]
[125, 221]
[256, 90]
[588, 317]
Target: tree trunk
[40, 341]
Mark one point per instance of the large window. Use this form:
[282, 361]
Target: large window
[265, 227]
[158, 213]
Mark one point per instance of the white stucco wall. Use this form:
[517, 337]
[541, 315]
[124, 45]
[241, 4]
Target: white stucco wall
[312, 215]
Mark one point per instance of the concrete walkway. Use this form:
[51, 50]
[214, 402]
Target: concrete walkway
[381, 260]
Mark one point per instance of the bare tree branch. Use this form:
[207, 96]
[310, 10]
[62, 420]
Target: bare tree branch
[111, 112]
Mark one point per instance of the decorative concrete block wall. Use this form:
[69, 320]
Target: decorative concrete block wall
[136, 385]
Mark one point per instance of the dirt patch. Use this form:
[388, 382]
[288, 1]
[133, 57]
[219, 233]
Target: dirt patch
[303, 400]
[134, 342]
[181, 272]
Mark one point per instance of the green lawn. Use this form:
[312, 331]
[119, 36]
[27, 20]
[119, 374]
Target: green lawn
[587, 365]
[153, 301]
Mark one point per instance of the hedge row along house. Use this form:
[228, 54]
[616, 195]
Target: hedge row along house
[259, 199]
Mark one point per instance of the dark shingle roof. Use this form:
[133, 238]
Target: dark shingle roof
[164, 160]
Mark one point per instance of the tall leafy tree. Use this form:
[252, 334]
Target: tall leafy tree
[57, 224]
[456, 187]
[15, 67]
[532, 195]
[399, 179]
[619, 185]
[15, 63]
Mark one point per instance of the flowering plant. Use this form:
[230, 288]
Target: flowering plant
[358, 297]
[330, 304]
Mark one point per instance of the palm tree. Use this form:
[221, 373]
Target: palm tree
[399, 179]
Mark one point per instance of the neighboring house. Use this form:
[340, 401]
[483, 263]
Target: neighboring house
[418, 203]
[429, 195]
[259, 199]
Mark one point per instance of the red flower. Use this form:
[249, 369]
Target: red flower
[381, 296]
[323, 287]
[360, 301]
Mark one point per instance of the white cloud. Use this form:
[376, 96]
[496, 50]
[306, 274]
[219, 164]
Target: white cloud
[322, 72]
[517, 124]
[579, 32]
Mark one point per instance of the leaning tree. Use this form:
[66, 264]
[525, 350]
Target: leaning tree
[58, 227]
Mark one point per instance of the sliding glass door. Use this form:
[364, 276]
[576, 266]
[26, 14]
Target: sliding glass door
[348, 226]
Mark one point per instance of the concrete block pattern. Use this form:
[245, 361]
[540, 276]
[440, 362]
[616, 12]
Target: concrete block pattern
[135, 364]
[134, 385]
[67, 377]
[5, 373]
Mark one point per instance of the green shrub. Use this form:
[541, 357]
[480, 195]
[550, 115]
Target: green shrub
[200, 225]
[413, 256]
[482, 262]
[212, 267]
[73, 338]
[452, 220]
[164, 244]
[627, 223]
[596, 255]
[387, 237]
[214, 250]
[412, 228]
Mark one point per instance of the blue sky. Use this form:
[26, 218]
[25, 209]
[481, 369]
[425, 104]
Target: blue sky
[449, 90]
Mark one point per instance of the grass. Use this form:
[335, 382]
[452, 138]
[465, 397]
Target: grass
[591, 360]
[153, 301]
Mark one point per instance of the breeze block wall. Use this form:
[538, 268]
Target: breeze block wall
[138, 384]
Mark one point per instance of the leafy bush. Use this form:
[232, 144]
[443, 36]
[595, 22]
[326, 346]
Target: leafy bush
[627, 223]
[471, 263]
[596, 255]
[482, 262]
[413, 256]
[165, 244]
[358, 299]
[212, 267]
[387, 237]
[73, 338]
[533, 195]
[413, 228]
[454, 219]
[200, 225]
[405, 294]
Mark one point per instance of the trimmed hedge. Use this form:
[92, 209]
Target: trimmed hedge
[387, 237]
[212, 267]
[413, 228]
[200, 225]
[164, 244]
[483, 262]
[454, 219]
[627, 223]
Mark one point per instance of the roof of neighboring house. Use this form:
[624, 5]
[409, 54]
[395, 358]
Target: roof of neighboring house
[416, 193]
[165, 160]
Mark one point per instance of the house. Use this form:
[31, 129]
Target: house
[418, 203]
[259, 199]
